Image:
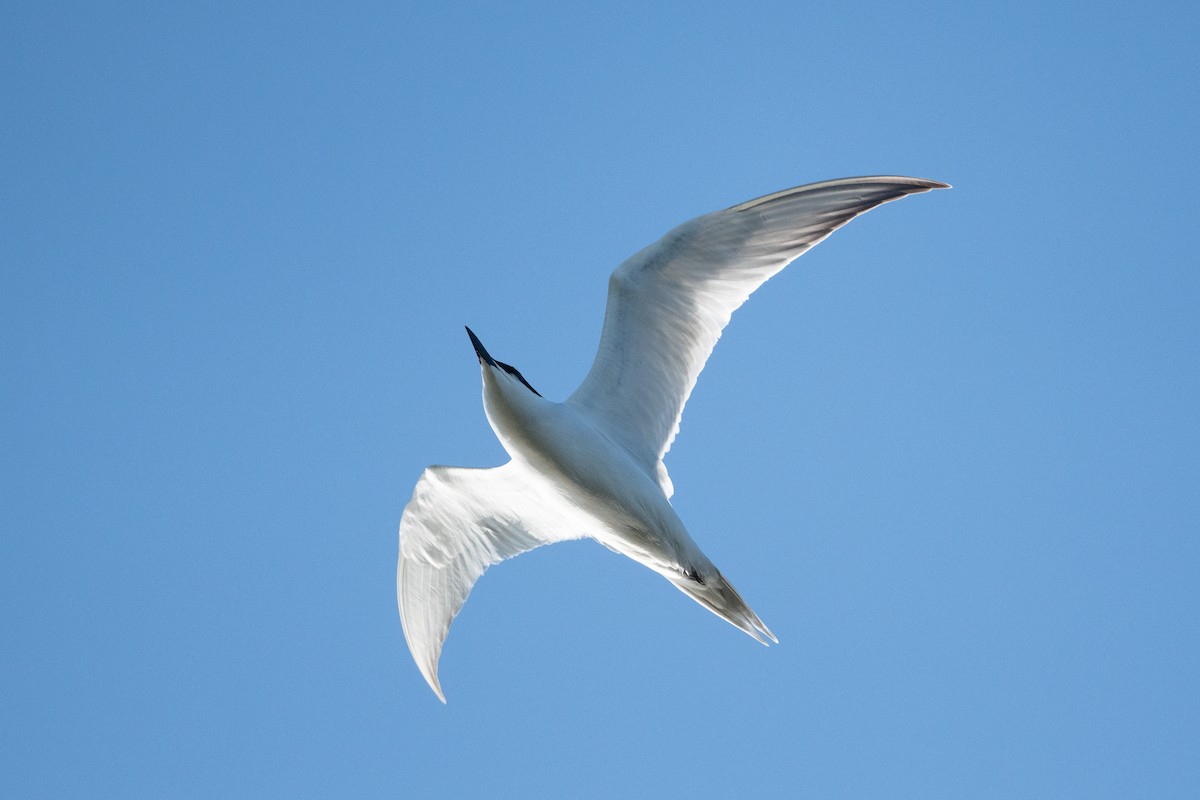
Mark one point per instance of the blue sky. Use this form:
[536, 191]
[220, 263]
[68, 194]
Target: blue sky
[950, 456]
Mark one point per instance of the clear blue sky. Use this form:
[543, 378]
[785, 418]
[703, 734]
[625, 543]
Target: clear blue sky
[950, 456]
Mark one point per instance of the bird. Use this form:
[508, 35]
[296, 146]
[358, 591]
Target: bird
[592, 465]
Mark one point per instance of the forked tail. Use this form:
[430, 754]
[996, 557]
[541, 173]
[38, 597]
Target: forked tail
[719, 597]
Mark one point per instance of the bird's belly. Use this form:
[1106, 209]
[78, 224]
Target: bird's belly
[599, 477]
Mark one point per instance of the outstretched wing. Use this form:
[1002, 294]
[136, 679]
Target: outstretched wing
[668, 304]
[458, 523]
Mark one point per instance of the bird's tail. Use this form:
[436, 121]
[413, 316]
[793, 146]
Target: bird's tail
[719, 597]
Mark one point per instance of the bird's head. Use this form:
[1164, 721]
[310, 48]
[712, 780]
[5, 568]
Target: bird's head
[499, 370]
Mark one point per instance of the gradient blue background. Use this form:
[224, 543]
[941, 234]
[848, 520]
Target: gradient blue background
[950, 456]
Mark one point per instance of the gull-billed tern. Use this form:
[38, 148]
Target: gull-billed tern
[592, 465]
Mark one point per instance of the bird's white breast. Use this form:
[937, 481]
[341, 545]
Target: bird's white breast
[591, 471]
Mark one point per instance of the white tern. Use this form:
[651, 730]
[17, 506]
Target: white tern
[592, 466]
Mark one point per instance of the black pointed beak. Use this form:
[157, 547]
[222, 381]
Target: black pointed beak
[480, 350]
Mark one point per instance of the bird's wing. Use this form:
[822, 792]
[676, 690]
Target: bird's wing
[668, 304]
[458, 523]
